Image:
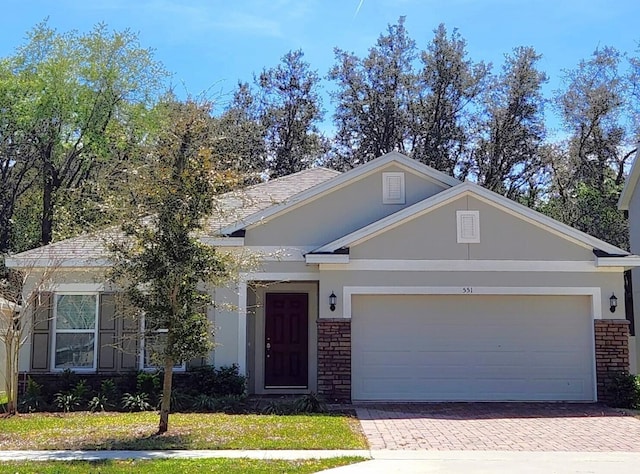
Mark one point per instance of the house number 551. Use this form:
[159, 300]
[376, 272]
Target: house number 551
[467, 290]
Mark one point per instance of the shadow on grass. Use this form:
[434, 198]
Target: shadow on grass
[152, 442]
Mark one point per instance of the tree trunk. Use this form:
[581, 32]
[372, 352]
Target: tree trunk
[48, 188]
[165, 405]
[11, 372]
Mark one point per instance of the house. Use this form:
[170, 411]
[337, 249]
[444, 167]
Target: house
[7, 309]
[391, 281]
[629, 202]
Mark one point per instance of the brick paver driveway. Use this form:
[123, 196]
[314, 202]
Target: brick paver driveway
[499, 427]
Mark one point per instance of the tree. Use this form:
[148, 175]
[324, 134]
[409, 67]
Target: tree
[588, 167]
[373, 97]
[507, 156]
[20, 299]
[242, 135]
[161, 264]
[77, 99]
[441, 115]
[290, 110]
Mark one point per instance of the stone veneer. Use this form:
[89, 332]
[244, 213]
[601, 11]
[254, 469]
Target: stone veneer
[334, 359]
[612, 351]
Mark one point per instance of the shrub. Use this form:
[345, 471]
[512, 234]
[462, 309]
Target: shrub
[623, 390]
[149, 383]
[216, 382]
[98, 403]
[136, 402]
[310, 403]
[32, 399]
[67, 401]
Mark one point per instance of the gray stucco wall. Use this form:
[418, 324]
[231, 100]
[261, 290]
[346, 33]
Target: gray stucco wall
[338, 213]
[502, 237]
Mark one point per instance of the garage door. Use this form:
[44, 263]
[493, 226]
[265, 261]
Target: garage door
[472, 347]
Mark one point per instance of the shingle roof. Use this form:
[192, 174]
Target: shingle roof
[89, 249]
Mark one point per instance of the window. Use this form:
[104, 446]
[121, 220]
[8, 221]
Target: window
[151, 353]
[75, 323]
[468, 227]
[393, 188]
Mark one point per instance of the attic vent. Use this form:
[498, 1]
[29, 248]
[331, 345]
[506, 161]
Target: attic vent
[393, 188]
[468, 227]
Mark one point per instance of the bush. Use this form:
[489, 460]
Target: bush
[215, 382]
[623, 390]
[32, 400]
[136, 402]
[310, 403]
[67, 401]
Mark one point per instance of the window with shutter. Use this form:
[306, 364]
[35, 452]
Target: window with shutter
[393, 188]
[468, 227]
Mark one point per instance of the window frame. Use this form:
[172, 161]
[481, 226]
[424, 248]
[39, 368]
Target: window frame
[55, 331]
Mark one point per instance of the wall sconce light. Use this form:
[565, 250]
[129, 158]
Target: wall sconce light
[332, 301]
[613, 303]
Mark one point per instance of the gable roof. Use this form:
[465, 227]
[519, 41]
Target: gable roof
[454, 193]
[89, 249]
[630, 184]
[355, 174]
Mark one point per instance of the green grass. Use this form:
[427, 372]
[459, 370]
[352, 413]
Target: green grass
[227, 466]
[136, 431]
[3, 398]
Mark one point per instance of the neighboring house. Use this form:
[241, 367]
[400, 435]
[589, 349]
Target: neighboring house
[630, 203]
[391, 281]
[6, 314]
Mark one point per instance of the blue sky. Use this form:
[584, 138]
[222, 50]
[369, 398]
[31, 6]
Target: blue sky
[211, 44]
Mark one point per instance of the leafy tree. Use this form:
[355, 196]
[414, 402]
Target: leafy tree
[588, 167]
[161, 263]
[442, 110]
[75, 102]
[290, 110]
[507, 157]
[373, 98]
[242, 135]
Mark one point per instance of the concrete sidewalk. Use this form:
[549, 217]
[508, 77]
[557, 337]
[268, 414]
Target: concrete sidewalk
[178, 454]
[388, 461]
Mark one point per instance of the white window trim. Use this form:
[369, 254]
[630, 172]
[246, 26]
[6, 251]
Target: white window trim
[385, 188]
[475, 215]
[54, 332]
[176, 368]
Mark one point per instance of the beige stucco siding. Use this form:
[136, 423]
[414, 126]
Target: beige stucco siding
[336, 281]
[338, 213]
[503, 236]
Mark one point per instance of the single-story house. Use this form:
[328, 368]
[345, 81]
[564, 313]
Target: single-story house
[391, 281]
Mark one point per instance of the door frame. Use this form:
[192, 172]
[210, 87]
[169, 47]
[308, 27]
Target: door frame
[256, 335]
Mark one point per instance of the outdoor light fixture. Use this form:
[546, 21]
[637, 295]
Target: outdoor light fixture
[332, 301]
[613, 303]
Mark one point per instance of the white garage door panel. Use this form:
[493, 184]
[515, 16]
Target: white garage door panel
[478, 347]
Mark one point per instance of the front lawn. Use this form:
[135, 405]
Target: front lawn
[136, 431]
[228, 466]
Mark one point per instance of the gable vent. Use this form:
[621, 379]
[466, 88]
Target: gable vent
[468, 227]
[393, 188]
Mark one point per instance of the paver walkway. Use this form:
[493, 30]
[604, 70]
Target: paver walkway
[499, 427]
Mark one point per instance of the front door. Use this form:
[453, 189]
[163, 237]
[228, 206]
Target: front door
[286, 340]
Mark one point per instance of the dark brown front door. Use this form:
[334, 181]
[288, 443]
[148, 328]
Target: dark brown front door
[286, 340]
